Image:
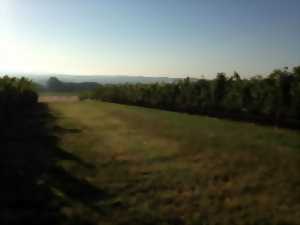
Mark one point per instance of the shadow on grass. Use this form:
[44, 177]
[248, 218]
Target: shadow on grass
[34, 189]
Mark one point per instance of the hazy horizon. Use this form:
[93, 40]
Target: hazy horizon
[179, 76]
[149, 38]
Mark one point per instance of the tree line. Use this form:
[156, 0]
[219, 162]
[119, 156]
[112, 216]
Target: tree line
[272, 99]
[55, 85]
[16, 96]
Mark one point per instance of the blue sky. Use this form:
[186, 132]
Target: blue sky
[142, 37]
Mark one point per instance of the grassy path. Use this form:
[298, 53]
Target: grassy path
[160, 167]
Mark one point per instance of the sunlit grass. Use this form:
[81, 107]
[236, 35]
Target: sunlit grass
[170, 168]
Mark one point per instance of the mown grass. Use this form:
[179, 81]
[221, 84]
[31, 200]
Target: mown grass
[163, 167]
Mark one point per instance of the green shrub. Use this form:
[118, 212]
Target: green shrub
[16, 95]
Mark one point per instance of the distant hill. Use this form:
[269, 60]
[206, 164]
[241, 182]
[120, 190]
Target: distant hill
[118, 79]
[101, 79]
[56, 85]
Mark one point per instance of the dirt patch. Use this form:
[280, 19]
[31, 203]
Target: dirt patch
[58, 99]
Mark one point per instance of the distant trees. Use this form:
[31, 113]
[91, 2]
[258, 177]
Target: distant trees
[274, 99]
[55, 85]
[16, 95]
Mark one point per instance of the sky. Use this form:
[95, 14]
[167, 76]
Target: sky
[143, 37]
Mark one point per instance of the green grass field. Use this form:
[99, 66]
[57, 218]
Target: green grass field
[158, 167]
